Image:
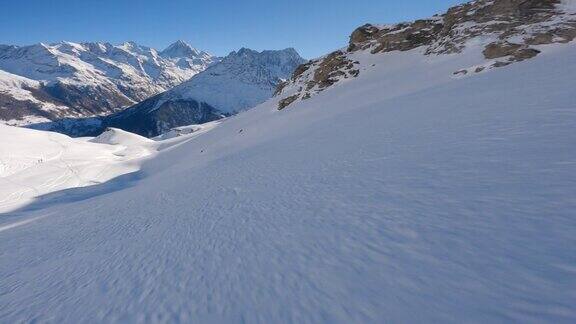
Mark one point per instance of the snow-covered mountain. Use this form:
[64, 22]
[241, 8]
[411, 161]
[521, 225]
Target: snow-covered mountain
[405, 192]
[68, 79]
[187, 57]
[241, 80]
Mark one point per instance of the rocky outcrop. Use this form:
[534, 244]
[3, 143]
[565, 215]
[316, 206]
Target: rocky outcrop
[531, 20]
[283, 103]
[515, 26]
[330, 69]
[400, 37]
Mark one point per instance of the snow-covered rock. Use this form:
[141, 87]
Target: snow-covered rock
[88, 79]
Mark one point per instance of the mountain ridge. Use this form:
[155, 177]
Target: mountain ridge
[239, 81]
[87, 79]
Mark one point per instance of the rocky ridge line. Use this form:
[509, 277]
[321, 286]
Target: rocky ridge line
[514, 27]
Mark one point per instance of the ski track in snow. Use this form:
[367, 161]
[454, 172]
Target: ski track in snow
[20, 223]
[452, 202]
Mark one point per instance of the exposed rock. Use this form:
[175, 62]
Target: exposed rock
[361, 35]
[280, 87]
[517, 52]
[541, 38]
[301, 69]
[330, 69]
[324, 73]
[496, 50]
[286, 102]
[525, 53]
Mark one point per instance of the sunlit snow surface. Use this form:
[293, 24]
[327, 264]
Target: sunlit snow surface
[35, 163]
[405, 195]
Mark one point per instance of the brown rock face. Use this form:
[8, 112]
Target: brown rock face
[361, 35]
[327, 72]
[300, 70]
[286, 102]
[496, 50]
[516, 52]
[330, 69]
[400, 37]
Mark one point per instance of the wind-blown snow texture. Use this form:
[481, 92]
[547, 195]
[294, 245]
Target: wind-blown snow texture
[403, 195]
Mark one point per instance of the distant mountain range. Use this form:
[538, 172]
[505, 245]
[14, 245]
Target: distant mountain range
[239, 81]
[67, 80]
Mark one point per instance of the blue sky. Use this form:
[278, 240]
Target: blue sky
[217, 26]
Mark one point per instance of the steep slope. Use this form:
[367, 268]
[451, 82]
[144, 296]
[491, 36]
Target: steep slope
[240, 81]
[88, 79]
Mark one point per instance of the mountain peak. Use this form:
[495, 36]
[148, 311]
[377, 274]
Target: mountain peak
[181, 43]
[180, 49]
[244, 51]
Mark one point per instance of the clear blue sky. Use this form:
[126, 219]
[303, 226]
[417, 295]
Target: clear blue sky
[217, 26]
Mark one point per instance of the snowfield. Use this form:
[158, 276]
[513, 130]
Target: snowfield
[405, 195]
[34, 163]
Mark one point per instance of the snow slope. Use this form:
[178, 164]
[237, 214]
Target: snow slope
[34, 163]
[406, 194]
